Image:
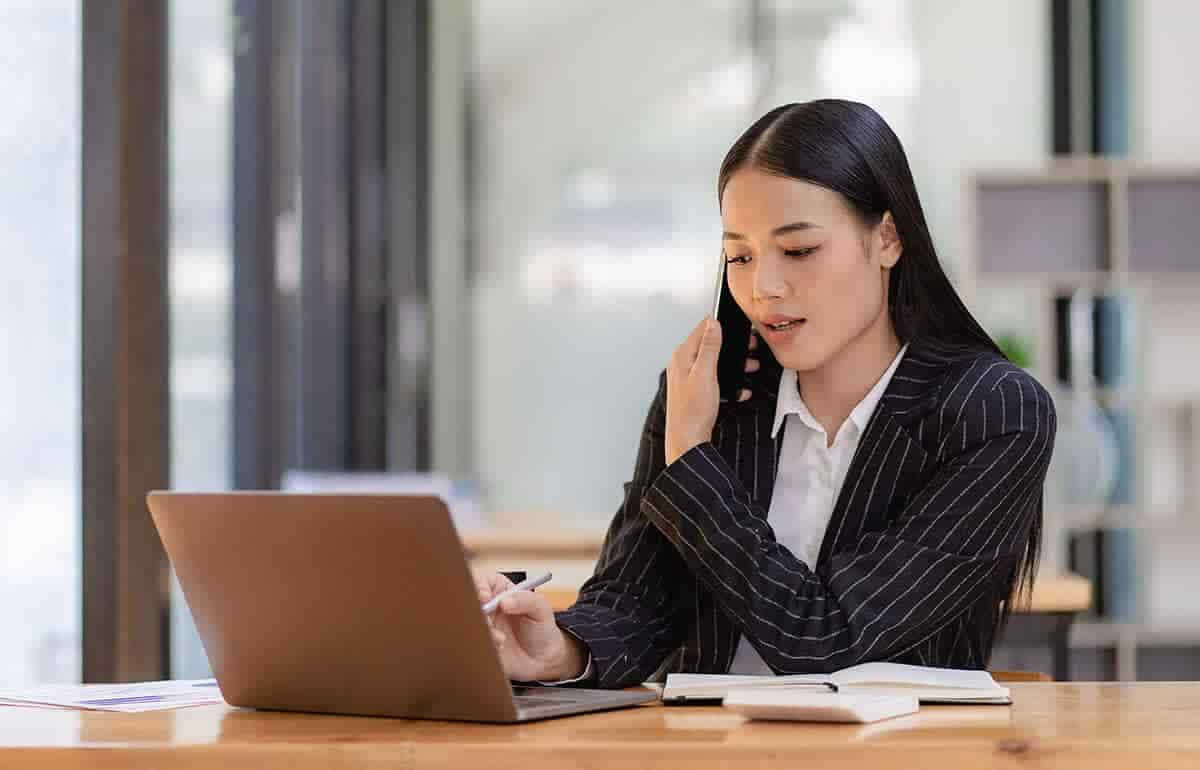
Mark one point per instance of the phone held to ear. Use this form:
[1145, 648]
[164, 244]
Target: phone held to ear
[735, 341]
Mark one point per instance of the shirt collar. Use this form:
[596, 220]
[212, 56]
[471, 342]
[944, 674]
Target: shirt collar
[790, 402]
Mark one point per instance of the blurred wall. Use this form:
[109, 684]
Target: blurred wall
[984, 101]
[1165, 103]
[598, 132]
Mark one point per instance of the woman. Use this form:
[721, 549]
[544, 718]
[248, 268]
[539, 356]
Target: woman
[876, 494]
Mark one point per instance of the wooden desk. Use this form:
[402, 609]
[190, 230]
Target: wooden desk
[1130, 725]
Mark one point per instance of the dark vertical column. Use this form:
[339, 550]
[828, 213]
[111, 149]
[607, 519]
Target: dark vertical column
[1089, 77]
[125, 357]
[1060, 76]
[323, 429]
[330, 131]
[257, 383]
[368, 202]
[408, 25]
[1110, 81]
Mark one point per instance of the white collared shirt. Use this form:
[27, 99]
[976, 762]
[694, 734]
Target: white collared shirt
[809, 480]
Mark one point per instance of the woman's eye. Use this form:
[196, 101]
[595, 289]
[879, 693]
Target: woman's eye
[741, 259]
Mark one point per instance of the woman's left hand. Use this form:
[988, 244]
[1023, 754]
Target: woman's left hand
[693, 394]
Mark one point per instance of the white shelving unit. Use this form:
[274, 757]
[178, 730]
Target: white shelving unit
[1111, 227]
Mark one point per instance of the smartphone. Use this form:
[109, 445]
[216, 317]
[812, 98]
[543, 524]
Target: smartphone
[735, 342]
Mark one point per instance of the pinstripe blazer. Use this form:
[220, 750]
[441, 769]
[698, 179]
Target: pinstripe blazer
[925, 537]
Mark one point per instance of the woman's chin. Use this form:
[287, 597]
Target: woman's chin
[799, 357]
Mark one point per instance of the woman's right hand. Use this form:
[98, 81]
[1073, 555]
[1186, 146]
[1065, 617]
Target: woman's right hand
[531, 645]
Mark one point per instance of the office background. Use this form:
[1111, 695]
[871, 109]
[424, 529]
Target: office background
[251, 244]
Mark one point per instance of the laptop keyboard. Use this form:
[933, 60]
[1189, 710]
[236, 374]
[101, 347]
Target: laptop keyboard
[519, 690]
[529, 700]
[537, 696]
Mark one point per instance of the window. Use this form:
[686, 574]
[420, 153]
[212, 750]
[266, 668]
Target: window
[201, 271]
[39, 342]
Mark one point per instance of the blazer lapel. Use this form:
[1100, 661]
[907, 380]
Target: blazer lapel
[749, 446]
[888, 459]
[743, 436]
[744, 440]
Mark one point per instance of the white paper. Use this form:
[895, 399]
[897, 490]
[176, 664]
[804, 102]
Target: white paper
[931, 685]
[129, 698]
[716, 685]
[894, 674]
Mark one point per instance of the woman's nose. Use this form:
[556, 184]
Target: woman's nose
[768, 281]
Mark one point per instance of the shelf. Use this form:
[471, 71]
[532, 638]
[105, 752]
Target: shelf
[1127, 517]
[1160, 280]
[1097, 280]
[559, 542]
[1118, 395]
[1163, 230]
[1173, 401]
[1103, 633]
[1116, 227]
[1092, 516]
[1086, 168]
[1033, 279]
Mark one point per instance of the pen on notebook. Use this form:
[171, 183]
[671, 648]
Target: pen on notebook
[527, 584]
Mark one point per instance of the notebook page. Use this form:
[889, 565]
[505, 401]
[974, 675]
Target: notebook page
[715, 685]
[926, 677]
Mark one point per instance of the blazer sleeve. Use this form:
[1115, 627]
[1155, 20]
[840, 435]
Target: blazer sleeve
[953, 541]
[626, 613]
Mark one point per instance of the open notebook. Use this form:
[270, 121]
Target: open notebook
[929, 685]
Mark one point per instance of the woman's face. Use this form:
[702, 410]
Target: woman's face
[796, 252]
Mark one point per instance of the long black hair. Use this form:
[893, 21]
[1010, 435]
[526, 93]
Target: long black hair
[848, 148]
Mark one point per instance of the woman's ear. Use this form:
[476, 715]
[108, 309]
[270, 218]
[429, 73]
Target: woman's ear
[890, 247]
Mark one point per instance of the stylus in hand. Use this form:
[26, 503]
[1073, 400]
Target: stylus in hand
[528, 584]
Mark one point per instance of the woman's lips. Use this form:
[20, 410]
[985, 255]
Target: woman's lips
[778, 318]
[777, 336]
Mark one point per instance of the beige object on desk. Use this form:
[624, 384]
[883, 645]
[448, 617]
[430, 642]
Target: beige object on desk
[1082, 725]
[571, 555]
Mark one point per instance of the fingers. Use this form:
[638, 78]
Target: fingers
[498, 583]
[483, 587]
[526, 604]
[753, 340]
[752, 365]
[685, 354]
[710, 347]
[743, 395]
[691, 345]
[490, 584]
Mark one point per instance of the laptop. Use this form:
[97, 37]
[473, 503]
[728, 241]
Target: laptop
[346, 604]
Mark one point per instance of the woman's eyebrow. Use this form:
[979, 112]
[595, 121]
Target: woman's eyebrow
[781, 230]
